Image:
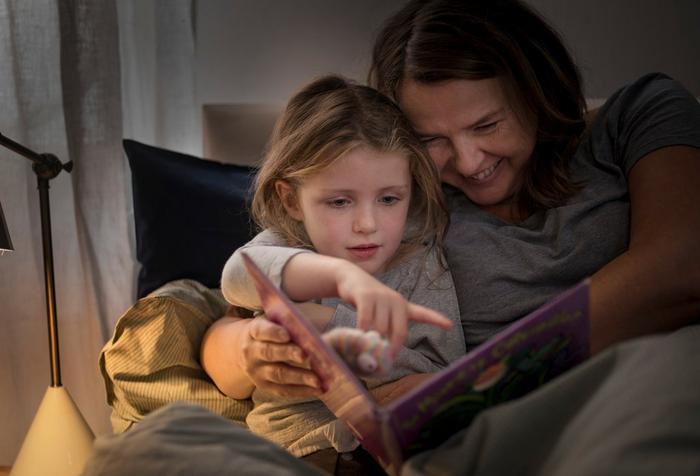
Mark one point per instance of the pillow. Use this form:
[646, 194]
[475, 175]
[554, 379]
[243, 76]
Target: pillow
[190, 215]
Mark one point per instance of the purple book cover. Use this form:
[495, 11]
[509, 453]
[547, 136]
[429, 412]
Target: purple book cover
[517, 360]
[522, 357]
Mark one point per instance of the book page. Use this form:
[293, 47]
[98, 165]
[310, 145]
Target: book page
[344, 394]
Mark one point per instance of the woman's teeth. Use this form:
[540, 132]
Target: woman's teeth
[484, 174]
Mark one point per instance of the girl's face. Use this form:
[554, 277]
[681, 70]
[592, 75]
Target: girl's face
[475, 136]
[356, 208]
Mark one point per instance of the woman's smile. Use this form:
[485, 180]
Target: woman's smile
[487, 175]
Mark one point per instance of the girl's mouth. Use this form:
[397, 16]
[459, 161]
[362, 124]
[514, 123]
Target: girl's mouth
[364, 252]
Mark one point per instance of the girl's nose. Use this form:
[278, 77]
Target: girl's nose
[364, 221]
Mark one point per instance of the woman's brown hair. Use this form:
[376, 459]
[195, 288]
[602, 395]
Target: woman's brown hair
[440, 40]
[321, 123]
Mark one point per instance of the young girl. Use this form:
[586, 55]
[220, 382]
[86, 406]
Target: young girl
[347, 185]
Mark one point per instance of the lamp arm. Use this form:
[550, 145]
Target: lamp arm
[46, 167]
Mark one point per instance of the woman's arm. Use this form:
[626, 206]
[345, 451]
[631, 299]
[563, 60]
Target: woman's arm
[392, 390]
[655, 285]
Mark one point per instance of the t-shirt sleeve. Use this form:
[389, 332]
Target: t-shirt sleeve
[271, 253]
[653, 112]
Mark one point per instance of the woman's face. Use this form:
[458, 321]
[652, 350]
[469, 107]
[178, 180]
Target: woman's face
[475, 136]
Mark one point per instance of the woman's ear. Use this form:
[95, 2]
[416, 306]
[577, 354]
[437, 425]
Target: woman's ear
[288, 197]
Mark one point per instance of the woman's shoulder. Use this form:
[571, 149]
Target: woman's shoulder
[651, 94]
[651, 112]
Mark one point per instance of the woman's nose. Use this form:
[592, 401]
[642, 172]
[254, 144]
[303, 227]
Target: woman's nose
[468, 158]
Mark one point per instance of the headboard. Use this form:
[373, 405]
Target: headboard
[237, 133]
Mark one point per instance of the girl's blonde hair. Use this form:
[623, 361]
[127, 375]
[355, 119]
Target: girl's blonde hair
[323, 122]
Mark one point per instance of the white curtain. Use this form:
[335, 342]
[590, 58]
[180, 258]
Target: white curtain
[158, 73]
[60, 92]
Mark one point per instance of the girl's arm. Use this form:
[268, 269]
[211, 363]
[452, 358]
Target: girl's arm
[241, 354]
[655, 285]
[305, 276]
[310, 276]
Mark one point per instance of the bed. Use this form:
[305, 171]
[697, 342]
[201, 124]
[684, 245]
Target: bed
[634, 409]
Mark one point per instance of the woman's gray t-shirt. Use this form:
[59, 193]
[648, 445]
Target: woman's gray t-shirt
[503, 271]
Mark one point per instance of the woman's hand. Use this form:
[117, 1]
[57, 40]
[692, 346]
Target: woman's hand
[274, 363]
[240, 354]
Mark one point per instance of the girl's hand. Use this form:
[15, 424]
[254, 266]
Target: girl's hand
[381, 308]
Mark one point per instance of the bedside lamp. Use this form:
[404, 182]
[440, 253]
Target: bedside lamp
[59, 439]
[5, 241]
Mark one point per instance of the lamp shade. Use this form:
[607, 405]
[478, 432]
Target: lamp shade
[5, 241]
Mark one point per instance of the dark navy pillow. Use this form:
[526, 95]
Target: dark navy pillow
[190, 215]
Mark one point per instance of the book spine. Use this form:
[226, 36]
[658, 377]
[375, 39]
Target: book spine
[390, 439]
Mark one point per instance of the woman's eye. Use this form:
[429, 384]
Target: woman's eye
[437, 145]
[486, 127]
[431, 141]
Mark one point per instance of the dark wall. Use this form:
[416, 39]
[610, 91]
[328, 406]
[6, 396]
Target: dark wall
[262, 50]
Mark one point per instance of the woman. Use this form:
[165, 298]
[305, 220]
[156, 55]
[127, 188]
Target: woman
[498, 102]
[538, 201]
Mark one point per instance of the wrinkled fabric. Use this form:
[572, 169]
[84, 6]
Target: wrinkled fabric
[153, 357]
[634, 410]
[187, 440]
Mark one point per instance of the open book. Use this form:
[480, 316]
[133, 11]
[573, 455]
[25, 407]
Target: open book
[528, 353]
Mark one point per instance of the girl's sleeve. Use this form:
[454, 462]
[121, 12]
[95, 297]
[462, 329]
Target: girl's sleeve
[271, 253]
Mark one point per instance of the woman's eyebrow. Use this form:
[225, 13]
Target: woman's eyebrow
[487, 117]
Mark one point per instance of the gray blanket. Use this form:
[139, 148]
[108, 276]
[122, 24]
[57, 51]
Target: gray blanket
[632, 410]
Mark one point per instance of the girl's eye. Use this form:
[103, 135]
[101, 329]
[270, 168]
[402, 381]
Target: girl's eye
[389, 199]
[338, 202]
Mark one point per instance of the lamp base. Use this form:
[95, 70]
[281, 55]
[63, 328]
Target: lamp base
[58, 442]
